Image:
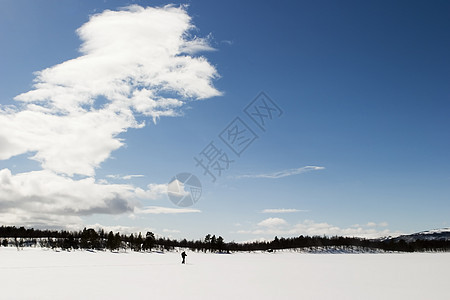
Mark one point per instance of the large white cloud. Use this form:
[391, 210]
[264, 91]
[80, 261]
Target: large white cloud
[134, 61]
[129, 53]
[131, 60]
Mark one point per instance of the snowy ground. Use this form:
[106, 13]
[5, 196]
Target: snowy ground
[45, 274]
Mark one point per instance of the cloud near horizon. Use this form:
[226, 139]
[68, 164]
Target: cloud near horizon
[135, 61]
[280, 227]
[43, 197]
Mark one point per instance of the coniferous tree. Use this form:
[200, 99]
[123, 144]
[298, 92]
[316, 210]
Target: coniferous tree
[131, 241]
[110, 242]
[117, 241]
[220, 244]
[213, 243]
[90, 239]
[208, 242]
[149, 242]
[138, 243]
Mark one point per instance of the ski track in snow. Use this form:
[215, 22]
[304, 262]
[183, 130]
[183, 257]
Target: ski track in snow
[34, 273]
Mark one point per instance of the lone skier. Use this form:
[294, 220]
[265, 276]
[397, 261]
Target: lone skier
[183, 255]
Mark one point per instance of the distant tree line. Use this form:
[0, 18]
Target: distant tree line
[343, 243]
[100, 240]
[84, 239]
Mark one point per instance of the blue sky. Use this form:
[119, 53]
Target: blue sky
[362, 144]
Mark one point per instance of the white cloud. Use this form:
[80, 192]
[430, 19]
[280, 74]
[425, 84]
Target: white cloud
[128, 177]
[284, 173]
[134, 61]
[177, 188]
[272, 222]
[70, 144]
[154, 191]
[281, 210]
[312, 228]
[131, 60]
[63, 195]
[43, 197]
[166, 210]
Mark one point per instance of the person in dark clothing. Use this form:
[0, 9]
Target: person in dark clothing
[183, 255]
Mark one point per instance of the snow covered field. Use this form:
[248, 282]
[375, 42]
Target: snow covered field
[35, 273]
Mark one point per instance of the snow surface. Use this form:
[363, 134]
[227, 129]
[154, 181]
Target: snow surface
[35, 273]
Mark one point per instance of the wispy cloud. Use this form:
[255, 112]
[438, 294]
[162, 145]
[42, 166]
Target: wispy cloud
[166, 210]
[126, 177]
[227, 42]
[283, 173]
[281, 210]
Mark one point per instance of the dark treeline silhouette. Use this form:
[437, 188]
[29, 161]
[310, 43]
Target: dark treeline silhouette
[100, 240]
